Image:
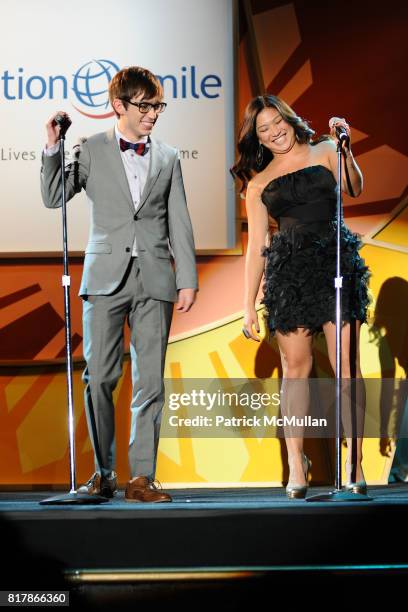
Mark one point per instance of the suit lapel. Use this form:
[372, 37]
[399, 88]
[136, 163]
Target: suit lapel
[117, 166]
[155, 166]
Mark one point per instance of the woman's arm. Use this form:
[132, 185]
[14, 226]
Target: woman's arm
[352, 178]
[255, 261]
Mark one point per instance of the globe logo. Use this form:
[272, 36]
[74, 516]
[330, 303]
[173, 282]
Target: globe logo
[90, 86]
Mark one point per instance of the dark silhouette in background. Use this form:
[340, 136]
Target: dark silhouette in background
[389, 332]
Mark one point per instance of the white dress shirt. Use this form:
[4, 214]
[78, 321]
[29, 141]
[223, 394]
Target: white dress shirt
[136, 168]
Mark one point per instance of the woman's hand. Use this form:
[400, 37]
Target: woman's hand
[251, 322]
[339, 122]
[352, 179]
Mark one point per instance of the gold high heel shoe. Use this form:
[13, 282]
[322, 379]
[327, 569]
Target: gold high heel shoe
[299, 491]
[358, 487]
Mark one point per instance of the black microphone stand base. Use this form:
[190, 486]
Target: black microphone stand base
[74, 498]
[339, 495]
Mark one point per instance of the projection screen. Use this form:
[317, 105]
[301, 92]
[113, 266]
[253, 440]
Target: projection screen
[62, 57]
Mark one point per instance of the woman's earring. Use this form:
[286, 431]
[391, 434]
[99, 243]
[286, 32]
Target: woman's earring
[259, 155]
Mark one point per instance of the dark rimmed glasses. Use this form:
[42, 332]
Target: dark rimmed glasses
[145, 107]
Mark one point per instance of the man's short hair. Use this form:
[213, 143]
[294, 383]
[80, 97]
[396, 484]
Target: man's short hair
[133, 81]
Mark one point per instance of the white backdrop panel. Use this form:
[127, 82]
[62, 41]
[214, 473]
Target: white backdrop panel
[61, 57]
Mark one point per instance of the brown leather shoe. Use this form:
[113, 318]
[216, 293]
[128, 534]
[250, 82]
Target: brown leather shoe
[142, 489]
[100, 485]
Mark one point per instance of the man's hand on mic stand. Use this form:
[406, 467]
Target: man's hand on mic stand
[54, 129]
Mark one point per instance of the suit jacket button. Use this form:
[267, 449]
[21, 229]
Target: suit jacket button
[127, 249]
[135, 217]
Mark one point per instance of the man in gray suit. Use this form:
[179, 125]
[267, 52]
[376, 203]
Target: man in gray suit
[139, 220]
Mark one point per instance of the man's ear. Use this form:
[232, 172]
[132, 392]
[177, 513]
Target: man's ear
[118, 106]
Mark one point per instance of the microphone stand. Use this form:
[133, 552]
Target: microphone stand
[339, 494]
[73, 497]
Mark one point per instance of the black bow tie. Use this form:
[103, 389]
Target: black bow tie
[140, 148]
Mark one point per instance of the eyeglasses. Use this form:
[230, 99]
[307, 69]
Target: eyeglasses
[145, 107]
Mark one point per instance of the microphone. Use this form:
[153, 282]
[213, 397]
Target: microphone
[341, 134]
[77, 147]
[64, 122]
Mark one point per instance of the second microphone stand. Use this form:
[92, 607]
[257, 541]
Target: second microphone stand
[339, 494]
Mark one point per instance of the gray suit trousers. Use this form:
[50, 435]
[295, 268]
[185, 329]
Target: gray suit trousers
[104, 317]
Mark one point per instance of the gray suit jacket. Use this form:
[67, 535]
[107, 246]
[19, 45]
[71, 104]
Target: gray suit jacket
[161, 218]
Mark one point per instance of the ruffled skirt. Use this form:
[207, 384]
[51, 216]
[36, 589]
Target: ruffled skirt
[300, 269]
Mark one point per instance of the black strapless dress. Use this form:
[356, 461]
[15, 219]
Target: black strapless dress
[301, 259]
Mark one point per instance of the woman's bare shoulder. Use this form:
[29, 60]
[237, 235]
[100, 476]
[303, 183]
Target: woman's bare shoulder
[262, 179]
[325, 146]
[255, 185]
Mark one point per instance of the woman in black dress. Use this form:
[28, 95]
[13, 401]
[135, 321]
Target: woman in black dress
[291, 177]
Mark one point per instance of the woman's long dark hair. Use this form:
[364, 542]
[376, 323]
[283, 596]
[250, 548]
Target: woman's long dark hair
[248, 143]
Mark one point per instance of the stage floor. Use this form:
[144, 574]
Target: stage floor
[238, 527]
[250, 532]
[245, 498]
